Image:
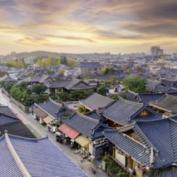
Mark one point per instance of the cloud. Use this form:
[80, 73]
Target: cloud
[104, 24]
[70, 38]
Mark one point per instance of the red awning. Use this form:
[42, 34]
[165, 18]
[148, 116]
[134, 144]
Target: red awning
[68, 131]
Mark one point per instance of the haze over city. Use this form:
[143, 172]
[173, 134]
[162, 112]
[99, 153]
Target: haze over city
[87, 26]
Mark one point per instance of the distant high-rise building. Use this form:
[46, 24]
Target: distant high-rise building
[156, 52]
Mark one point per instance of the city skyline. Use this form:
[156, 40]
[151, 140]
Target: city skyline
[81, 26]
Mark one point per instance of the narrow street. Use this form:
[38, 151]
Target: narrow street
[41, 131]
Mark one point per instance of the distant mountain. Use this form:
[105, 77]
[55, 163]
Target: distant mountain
[34, 54]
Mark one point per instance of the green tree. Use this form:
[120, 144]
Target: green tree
[18, 63]
[71, 62]
[82, 109]
[134, 83]
[101, 89]
[38, 88]
[106, 70]
[7, 85]
[46, 62]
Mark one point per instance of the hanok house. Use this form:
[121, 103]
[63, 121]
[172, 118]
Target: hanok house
[146, 98]
[155, 86]
[84, 133]
[146, 148]
[48, 112]
[123, 112]
[167, 104]
[55, 86]
[34, 157]
[9, 122]
[96, 101]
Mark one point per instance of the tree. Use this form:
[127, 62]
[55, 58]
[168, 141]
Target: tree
[46, 62]
[38, 88]
[6, 85]
[71, 62]
[101, 89]
[18, 63]
[134, 83]
[82, 109]
[106, 70]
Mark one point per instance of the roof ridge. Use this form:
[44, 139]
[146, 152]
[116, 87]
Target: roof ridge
[54, 102]
[131, 102]
[123, 134]
[144, 146]
[2, 137]
[146, 139]
[171, 141]
[10, 112]
[88, 117]
[26, 138]
[16, 157]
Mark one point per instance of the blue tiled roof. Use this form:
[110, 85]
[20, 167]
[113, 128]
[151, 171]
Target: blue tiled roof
[4, 110]
[40, 157]
[50, 107]
[84, 124]
[159, 135]
[130, 147]
[162, 134]
[122, 111]
[150, 116]
[8, 167]
[149, 97]
[7, 116]
[94, 115]
[96, 101]
[166, 102]
[6, 119]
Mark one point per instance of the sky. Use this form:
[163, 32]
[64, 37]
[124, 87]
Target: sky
[82, 26]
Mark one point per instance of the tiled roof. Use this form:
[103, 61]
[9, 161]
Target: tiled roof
[96, 101]
[94, 115]
[40, 157]
[159, 135]
[167, 103]
[162, 134]
[6, 120]
[7, 163]
[50, 108]
[58, 84]
[149, 117]
[7, 112]
[77, 84]
[122, 111]
[83, 124]
[16, 128]
[130, 147]
[73, 84]
[149, 97]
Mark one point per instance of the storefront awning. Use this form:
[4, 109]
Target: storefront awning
[82, 141]
[68, 131]
[48, 120]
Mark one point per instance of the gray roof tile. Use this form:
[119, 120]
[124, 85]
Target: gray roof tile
[159, 135]
[96, 101]
[122, 111]
[167, 103]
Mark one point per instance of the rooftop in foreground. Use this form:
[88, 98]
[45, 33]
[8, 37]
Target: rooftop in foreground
[34, 157]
